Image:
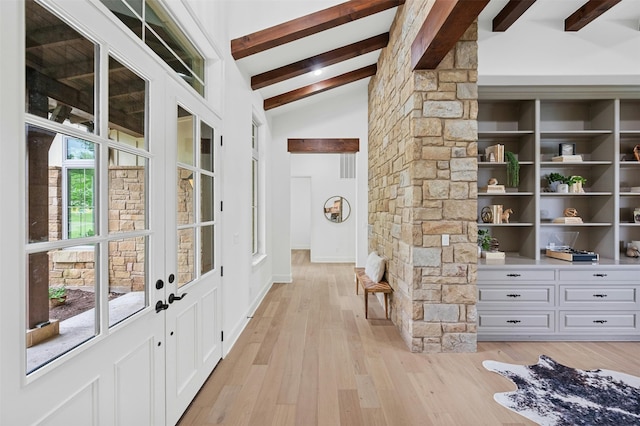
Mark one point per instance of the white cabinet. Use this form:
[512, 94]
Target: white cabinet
[558, 300]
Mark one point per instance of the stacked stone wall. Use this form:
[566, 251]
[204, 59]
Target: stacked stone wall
[422, 184]
[75, 268]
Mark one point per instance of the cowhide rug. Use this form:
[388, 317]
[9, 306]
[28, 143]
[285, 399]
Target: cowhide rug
[552, 394]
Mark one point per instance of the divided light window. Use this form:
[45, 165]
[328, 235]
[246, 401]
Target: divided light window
[149, 22]
[255, 163]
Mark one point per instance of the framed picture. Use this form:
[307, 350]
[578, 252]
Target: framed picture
[567, 149]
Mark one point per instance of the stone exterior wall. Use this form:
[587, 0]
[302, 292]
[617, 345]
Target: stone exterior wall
[55, 203]
[76, 268]
[422, 184]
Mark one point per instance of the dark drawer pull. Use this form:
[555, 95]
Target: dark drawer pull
[513, 295]
[599, 321]
[513, 275]
[599, 275]
[600, 295]
[514, 321]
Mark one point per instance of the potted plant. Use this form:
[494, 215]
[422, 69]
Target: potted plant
[57, 296]
[484, 240]
[555, 179]
[575, 184]
[513, 169]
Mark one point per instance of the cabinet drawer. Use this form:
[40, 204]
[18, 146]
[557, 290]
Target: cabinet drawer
[517, 275]
[597, 275]
[599, 295]
[590, 321]
[534, 321]
[519, 295]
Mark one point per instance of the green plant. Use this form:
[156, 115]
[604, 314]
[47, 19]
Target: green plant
[557, 177]
[57, 292]
[575, 179]
[484, 239]
[513, 169]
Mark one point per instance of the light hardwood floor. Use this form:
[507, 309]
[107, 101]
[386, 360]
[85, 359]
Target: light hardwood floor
[309, 357]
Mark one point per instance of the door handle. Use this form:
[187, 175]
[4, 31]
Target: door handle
[173, 297]
[161, 306]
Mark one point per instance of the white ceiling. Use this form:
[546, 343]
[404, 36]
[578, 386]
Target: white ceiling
[250, 16]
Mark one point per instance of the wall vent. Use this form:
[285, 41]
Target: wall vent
[347, 166]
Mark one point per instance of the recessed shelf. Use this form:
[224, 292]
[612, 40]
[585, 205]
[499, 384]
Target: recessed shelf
[505, 194]
[502, 164]
[574, 194]
[547, 164]
[505, 225]
[573, 225]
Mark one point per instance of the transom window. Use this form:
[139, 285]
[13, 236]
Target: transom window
[150, 23]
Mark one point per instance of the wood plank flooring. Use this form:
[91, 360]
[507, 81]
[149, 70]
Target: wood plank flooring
[309, 357]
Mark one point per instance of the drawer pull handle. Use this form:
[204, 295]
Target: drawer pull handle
[513, 275]
[514, 321]
[600, 295]
[599, 321]
[599, 275]
[513, 295]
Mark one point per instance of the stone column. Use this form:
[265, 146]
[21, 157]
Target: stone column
[422, 183]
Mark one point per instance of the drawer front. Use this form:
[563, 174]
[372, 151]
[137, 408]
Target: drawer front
[517, 275]
[504, 321]
[597, 275]
[599, 295]
[516, 295]
[590, 321]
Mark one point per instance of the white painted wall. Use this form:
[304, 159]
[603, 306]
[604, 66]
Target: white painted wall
[301, 212]
[329, 241]
[342, 116]
[536, 49]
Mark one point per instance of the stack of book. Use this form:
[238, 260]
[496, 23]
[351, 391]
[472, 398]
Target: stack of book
[567, 158]
[568, 220]
[494, 189]
[495, 153]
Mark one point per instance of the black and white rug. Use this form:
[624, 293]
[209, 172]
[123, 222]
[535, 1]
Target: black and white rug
[552, 394]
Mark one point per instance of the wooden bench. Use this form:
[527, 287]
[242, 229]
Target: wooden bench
[370, 286]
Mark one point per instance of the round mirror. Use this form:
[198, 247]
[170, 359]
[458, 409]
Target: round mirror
[337, 209]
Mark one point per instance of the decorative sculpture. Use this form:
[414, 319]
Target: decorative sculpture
[570, 212]
[505, 215]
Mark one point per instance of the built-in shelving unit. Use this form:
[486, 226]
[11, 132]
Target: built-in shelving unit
[604, 132]
[529, 296]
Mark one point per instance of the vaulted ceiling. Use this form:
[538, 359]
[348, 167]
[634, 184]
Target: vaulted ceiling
[339, 45]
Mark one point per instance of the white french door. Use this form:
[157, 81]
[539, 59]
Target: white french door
[193, 292]
[96, 197]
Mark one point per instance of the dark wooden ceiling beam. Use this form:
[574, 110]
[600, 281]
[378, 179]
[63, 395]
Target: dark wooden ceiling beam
[82, 101]
[323, 146]
[319, 87]
[588, 13]
[510, 14]
[51, 36]
[319, 61]
[446, 22]
[307, 25]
